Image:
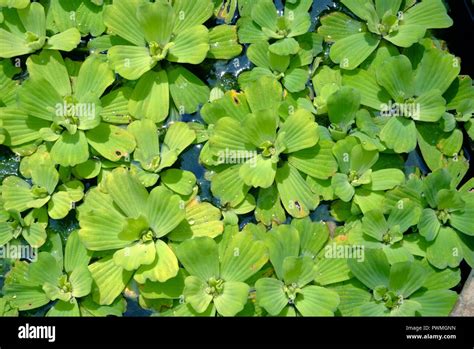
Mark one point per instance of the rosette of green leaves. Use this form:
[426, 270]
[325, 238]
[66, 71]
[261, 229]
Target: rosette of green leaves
[67, 110]
[292, 250]
[441, 143]
[23, 31]
[153, 158]
[356, 179]
[387, 232]
[411, 99]
[159, 32]
[43, 188]
[131, 224]
[406, 87]
[218, 273]
[85, 15]
[402, 289]
[401, 23]
[291, 70]
[59, 277]
[250, 146]
[460, 105]
[281, 31]
[446, 223]
[31, 227]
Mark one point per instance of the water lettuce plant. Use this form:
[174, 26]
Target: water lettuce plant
[180, 37]
[23, 31]
[402, 23]
[232, 158]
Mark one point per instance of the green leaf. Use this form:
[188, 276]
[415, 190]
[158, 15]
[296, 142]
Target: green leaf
[298, 270]
[351, 51]
[248, 31]
[342, 106]
[371, 94]
[179, 181]
[200, 257]
[120, 19]
[269, 208]
[399, 134]
[265, 93]
[163, 268]
[406, 35]
[195, 294]
[295, 194]
[374, 271]
[127, 192]
[150, 98]
[202, 219]
[191, 13]
[395, 75]
[406, 278]
[446, 249]
[295, 79]
[282, 242]
[331, 270]
[93, 79]
[75, 254]
[436, 302]
[352, 295]
[258, 172]
[190, 46]
[164, 211]
[59, 205]
[44, 270]
[131, 62]
[49, 65]
[317, 161]
[386, 179]
[232, 299]
[317, 301]
[286, 46]
[336, 26]
[428, 13]
[64, 309]
[462, 220]
[242, 258]
[171, 289]
[223, 42]
[38, 98]
[375, 224]
[228, 186]
[67, 40]
[187, 91]
[132, 257]
[300, 131]
[177, 138]
[433, 183]
[342, 188]
[81, 281]
[110, 280]
[70, 150]
[157, 21]
[264, 13]
[447, 67]
[270, 295]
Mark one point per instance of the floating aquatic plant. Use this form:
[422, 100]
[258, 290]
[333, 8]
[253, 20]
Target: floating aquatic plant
[146, 161]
